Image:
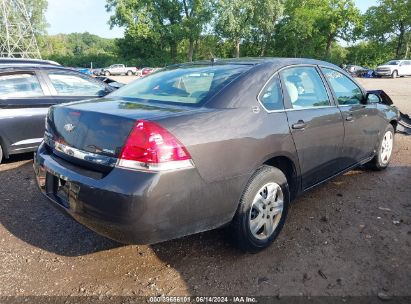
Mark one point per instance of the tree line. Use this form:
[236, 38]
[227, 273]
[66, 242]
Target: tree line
[160, 32]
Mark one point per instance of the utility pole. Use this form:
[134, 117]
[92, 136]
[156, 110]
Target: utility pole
[17, 37]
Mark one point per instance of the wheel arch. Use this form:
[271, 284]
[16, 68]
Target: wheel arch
[3, 146]
[394, 124]
[288, 167]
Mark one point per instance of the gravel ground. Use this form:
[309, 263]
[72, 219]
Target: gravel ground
[350, 236]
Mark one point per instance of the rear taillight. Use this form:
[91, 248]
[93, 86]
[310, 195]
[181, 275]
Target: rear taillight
[151, 147]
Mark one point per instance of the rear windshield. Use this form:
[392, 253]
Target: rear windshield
[191, 85]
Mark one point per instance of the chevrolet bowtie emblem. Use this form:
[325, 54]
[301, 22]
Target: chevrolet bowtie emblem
[69, 127]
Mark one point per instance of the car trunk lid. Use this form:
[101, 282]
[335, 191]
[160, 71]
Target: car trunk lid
[96, 130]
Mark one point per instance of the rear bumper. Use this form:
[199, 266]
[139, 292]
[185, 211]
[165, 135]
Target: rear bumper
[131, 206]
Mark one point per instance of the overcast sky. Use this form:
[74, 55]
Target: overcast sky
[69, 16]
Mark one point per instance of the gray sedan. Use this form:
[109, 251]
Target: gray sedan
[200, 145]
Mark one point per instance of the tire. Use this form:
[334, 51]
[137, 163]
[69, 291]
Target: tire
[254, 209]
[383, 157]
[107, 73]
[129, 73]
[394, 74]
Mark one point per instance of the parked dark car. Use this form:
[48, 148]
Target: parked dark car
[27, 89]
[359, 71]
[197, 146]
[85, 71]
[110, 81]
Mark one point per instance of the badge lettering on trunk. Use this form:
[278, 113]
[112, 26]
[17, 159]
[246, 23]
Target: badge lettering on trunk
[69, 127]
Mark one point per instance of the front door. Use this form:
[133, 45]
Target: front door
[315, 123]
[361, 120]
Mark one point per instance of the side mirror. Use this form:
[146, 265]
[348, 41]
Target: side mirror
[104, 92]
[373, 98]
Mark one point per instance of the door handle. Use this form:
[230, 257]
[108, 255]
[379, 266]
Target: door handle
[299, 125]
[349, 117]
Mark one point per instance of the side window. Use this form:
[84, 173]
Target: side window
[305, 87]
[346, 91]
[68, 84]
[271, 96]
[20, 86]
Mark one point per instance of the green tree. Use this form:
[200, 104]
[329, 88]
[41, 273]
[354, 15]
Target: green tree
[36, 10]
[161, 24]
[156, 22]
[298, 33]
[159, 32]
[266, 16]
[312, 27]
[370, 53]
[339, 20]
[197, 13]
[391, 19]
[234, 21]
[80, 49]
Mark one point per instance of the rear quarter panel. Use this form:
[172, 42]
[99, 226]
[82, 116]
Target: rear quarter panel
[227, 146]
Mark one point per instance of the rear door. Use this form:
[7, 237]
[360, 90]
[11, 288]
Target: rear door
[66, 86]
[24, 102]
[361, 120]
[315, 122]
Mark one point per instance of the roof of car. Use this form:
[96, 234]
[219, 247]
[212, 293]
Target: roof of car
[8, 67]
[26, 61]
[278, 61]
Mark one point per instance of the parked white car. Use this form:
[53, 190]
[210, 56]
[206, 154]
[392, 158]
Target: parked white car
[394, 68]
[118, 69]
